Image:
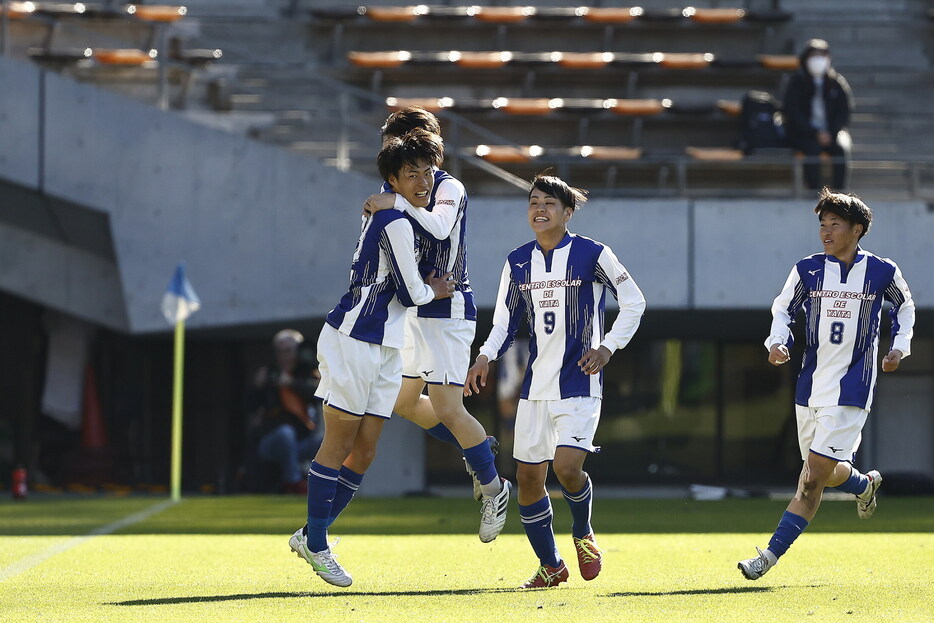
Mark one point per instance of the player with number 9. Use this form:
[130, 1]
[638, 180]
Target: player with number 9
[841, 292]
[558, 283]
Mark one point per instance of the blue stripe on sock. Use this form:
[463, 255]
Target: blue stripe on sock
[442, 433]
[322, 485]
[480, 458]
[789, 528]
[537, 519]
[347, 484]
[580, 504]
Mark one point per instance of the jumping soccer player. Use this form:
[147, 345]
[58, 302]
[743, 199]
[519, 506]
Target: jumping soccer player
[358, 348]
[558, 282]
[438, 335]
[841, 291]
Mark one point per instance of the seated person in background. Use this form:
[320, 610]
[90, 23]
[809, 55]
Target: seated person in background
[280, 397]
[816, 110]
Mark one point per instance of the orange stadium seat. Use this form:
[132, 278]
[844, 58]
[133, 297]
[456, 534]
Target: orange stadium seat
[781, 62]
[609, 153]
[585, 60]
[730, 107]
[714, 16]
[502, 15]
[642, 107]
[481, 60]
[129, 56]
[396, 14]
[434, 104]
[619, 15]
[379, 59]
[157, 12]
[18, 10]
[686, 61]
[525, 105]
[507, 153]
[714, 154]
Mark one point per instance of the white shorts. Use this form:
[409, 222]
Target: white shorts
[357, 378]
[833, 432]
[437, 350]
[544, 425]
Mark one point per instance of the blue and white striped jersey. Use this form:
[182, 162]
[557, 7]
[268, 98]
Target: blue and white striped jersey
[562, 296]
[384, 279]
[441, 233]
[842, 310]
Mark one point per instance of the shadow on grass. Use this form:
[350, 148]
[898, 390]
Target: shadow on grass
[163, 601]
[730, 590]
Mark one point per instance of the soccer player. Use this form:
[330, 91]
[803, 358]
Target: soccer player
[438, 335]
[358, 348]
[841, 291]
[558, 283]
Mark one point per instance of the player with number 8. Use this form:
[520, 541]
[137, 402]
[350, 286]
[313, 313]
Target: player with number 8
[841, 292]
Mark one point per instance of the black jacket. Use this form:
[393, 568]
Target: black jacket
[838, 102]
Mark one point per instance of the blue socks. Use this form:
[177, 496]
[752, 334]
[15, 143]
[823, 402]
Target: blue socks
[536, 519]
[322, 486]
[348, 481]
[580, 504]
[480, 459]
[442, 433]
[789, 528]
[855, 484]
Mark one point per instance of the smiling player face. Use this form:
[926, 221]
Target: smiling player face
[838, 236]
[414, 182]
[547, 215]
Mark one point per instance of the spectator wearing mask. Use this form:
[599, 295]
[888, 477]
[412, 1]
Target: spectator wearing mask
[817, 109]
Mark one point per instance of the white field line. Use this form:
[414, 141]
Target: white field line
[39, 557]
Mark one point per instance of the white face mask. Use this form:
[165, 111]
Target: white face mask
[817, 66]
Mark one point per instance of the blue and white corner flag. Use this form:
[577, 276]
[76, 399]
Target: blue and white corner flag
[180, 300]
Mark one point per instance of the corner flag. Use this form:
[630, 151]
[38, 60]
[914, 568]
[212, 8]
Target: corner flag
[178, 302]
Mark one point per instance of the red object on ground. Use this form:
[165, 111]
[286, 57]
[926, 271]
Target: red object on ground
[93, 433]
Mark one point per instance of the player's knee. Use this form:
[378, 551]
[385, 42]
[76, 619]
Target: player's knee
[569, 475]
[529, 482]
[812, 485]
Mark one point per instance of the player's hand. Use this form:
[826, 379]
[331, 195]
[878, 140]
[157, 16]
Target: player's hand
[443, 285]
[381, 201]
[890, 362]
[477, 372]
[594, 360]
[778, 354]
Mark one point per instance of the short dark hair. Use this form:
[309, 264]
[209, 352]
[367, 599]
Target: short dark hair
[410, 118]
[409, 149]
[847, 206]
[571, 197]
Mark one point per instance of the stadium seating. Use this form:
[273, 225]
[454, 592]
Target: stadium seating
[120, 45]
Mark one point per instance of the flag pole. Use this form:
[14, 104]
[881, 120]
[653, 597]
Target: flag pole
[177, 410]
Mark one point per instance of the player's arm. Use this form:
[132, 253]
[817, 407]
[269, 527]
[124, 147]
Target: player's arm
[440, 220]
[507, 314]
[784, 308]
[398, 241]
[614, 276]
[903, 321]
